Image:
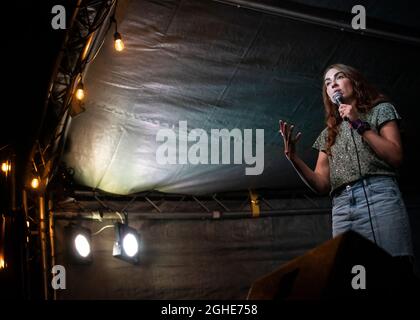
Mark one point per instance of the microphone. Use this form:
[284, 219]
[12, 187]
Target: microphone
[338, 99]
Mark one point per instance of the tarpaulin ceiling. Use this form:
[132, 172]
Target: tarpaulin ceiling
[210, 65]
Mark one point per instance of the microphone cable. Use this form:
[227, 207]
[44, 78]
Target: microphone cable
[363, 185]
[337, 99]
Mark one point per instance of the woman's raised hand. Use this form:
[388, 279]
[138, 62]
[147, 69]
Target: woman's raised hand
[286, 130]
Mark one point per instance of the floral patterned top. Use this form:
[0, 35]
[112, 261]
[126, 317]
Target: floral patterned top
[344, 168]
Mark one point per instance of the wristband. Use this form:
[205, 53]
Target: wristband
[360, 126]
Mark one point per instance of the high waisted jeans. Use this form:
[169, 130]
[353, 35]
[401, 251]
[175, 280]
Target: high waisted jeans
[389, 215]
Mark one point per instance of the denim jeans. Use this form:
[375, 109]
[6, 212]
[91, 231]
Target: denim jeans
[389, 215]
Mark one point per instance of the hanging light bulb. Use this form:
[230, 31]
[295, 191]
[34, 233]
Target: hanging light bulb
[35, 183]
[118, 43]
[80, 91]
[6, 167]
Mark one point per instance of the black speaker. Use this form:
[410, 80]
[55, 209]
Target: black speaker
[346, 266]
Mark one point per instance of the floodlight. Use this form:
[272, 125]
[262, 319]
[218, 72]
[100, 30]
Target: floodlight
[127, 243]
[79, 244]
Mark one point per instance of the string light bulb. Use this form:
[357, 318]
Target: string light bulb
[80, 91]
[118, 43]
[6, 167]
[35, 183]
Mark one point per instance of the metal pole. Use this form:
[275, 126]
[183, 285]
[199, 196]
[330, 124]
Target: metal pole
[27, 235]
[52, 247]
[43, 239]
[67, 215]
[13, 173]
[311, 18]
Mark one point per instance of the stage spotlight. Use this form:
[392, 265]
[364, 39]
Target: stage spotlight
[127, 243]
[118, 43]
[82, 245]
[79, 244]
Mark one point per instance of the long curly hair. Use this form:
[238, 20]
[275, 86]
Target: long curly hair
[367, 96]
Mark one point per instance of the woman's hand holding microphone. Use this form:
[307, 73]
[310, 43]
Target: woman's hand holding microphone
[348, 112]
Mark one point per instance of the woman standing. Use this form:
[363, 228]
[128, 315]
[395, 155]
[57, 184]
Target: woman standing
[359, 151]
